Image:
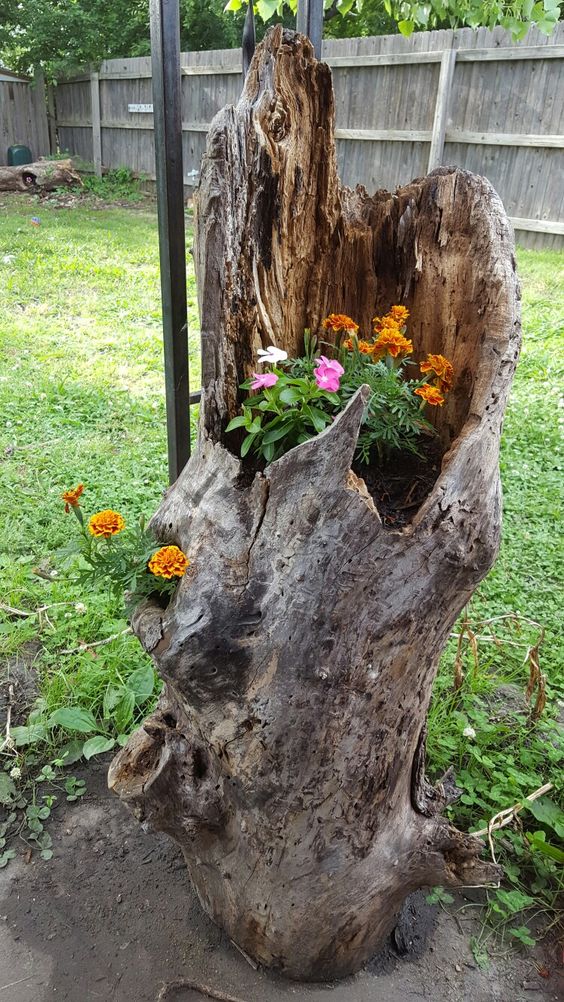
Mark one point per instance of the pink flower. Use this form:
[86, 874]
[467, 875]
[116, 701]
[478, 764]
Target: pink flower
[331, 363]
[262, 380]
[328, 374]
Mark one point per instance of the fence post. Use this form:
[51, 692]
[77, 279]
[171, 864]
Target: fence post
[448, 61]
[309, 21]
[51, 119]
[96, 128]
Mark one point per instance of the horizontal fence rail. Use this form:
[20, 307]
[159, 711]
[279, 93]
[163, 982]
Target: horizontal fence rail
[403, 107]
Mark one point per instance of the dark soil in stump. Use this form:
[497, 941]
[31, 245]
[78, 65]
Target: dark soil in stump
[400, 484]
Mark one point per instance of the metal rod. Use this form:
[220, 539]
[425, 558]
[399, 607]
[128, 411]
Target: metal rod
[309, 22]
[249, 38]
[167, 118]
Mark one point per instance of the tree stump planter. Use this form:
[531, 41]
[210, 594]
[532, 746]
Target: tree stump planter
[286, 755]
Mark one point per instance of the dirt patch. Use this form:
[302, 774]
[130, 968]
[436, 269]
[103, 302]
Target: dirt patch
[113, 917]
[400, 484]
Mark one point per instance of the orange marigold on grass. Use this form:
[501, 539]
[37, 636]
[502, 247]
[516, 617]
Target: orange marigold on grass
[71, 497]
[337, 322]
[169, 562]
[106, 523]
[391, 342]
[440, 367]
[431, 395]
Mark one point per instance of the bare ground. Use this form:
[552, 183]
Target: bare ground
[113, 917]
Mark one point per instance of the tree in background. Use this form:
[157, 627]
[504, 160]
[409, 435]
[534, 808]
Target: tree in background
[62, 35]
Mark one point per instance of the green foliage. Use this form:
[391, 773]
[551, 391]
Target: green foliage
[410, 15]
[484, 726]
[119, 561]
[290, 412]
[65, 35]
[118, 185]
[296, 408]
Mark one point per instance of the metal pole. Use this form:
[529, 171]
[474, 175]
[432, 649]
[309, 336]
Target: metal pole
[167, 114]
[310, 22]
[249, 38]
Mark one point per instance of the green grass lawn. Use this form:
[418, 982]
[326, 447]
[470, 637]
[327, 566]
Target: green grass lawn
[81, 398]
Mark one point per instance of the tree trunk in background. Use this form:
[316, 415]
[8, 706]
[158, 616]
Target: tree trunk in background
[45, 175]
[286, 755]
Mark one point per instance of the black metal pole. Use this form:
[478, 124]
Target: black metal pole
[309, 22]
[249, 38]
[167, 114]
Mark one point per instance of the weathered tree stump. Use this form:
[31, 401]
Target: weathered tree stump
[44, 175]
[286, 755]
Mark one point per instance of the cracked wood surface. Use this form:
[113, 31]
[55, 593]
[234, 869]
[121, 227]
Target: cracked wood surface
[286, 754]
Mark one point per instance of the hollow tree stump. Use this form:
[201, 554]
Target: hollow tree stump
[286, 755]
[44, 175]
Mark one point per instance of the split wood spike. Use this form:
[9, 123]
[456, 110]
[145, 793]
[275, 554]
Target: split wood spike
[286, 755]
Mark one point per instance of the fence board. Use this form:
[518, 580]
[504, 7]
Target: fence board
[23, 115]
[500, 114]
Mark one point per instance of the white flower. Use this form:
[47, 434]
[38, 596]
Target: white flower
[80, 608]
[469, 732]
[272, 354]
[16, 772]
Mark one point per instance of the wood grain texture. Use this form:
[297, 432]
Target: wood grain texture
[286, 755]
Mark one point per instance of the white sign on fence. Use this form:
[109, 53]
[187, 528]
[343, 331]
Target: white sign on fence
[147, 108]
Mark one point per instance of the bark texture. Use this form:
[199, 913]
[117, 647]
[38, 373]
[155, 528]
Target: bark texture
[45, 175]
[286, 755]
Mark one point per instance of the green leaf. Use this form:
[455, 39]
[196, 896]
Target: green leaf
[406, 27]
[538, 843]
[290, 395]
[523, 934]
[267, 8]
[237, 422]
[7, 788]
[6, 856]
[233, 5]
[73, 718]
[112, 697]
[71, 752]
[247, 443]
[276, 433]
[123, 713]
[548, 813]
[142, 683]
[97, 745]
[29, 735]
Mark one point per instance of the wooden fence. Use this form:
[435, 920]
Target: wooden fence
[403, 106]
[23, 114]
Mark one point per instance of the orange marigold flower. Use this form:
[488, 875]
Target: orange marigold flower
[71, 497]
[169, 562]
[400, 314]
[391, 342]
[431, 395]
[339, 322]
[106, 523]
[440, 367]
[387, 322]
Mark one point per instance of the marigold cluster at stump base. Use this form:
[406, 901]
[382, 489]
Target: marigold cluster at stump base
[106, 523]
[169, 562]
